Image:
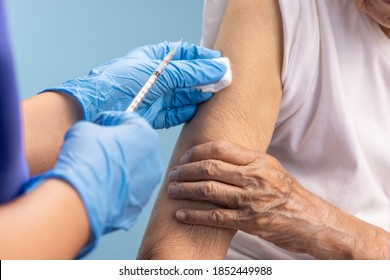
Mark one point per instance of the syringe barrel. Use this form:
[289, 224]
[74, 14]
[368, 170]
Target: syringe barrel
[152, 80]
[142, 93]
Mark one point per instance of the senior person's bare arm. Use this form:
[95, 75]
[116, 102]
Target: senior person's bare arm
[260, 197]
[245, 114]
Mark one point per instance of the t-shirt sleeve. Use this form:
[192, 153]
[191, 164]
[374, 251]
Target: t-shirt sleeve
[301, 53]
[301, 46]
[212, 18]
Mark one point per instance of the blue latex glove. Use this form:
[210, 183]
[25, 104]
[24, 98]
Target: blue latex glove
[114, 164]
[172, 100]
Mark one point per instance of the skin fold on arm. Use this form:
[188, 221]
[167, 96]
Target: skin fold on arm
[245, 113]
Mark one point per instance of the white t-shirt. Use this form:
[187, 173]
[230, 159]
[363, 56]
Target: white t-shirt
[333, 129]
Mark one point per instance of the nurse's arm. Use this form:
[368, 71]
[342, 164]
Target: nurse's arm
[245, 113]
[46, 118]
[48, 223]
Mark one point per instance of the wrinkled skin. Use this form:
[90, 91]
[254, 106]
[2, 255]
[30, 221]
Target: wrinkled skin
[258, 196]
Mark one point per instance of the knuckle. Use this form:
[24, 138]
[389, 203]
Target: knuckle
[235, 199]
[217, 216]
[206, 190]
[208, 168]
[219, 147]
[271, 162]
[242, 171]
[263, 224]
[245, 199]
[276, 175]
[252, 176]
[279, 182]
[237, 217]
[241, 219]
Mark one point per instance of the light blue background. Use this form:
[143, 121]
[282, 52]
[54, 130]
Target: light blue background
[56, 40]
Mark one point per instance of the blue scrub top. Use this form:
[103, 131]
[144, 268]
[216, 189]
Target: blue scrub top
[13, 167]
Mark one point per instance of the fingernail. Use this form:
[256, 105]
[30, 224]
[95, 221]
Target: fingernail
[172, 189]
[180, 215]
[185, 158]
[172, 175]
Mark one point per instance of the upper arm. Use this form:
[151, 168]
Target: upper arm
[244, 113]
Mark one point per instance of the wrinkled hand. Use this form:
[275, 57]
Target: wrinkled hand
[171, 101]
[256, 193]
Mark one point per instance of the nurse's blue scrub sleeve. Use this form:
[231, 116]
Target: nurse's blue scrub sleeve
[13, 166]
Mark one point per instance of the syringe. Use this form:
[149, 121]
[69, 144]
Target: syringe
[152, 80]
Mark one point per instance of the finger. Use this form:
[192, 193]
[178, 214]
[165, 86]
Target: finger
[111, 118]
[192, 73]
[210, 170]
[114, 118]
[188, 51]
[223, 218]
[184, 51]
[167, 118]
[220, 150]
[186, 96]
[215, 192]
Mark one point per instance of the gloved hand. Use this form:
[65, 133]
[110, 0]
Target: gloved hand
[172, 100]
[114, 164]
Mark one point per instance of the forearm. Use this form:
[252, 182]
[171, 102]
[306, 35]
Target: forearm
[47, 117]
[347, 237]
[258, 196]
[245, 113]
[166, 238]
[373, 244]
[327, 232]
[48, 223]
